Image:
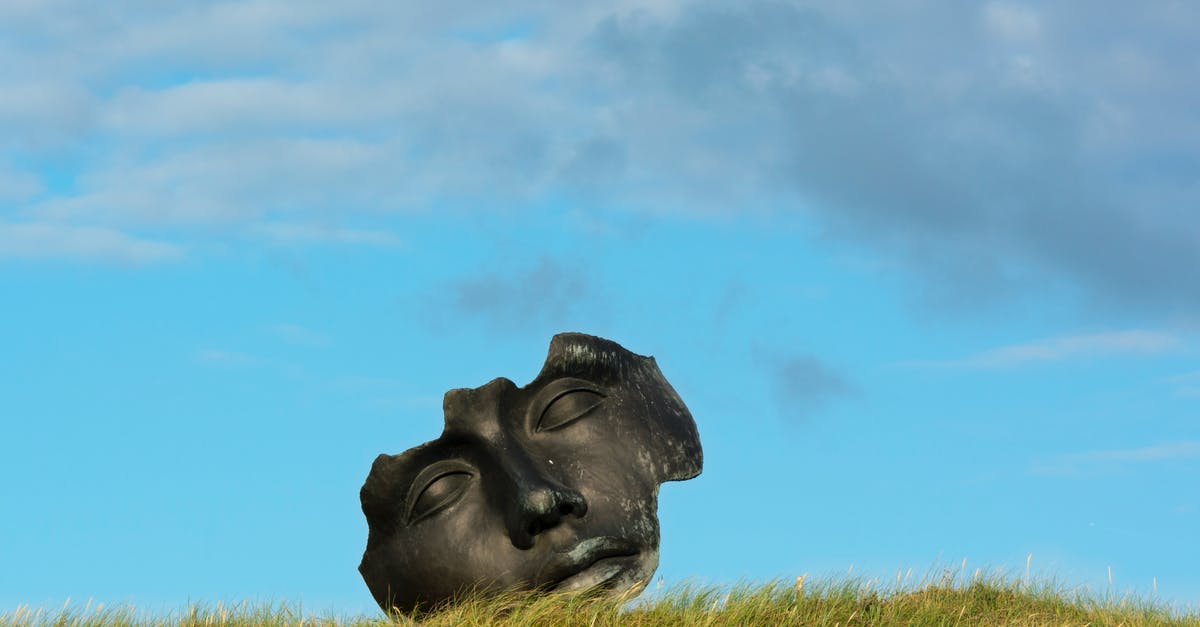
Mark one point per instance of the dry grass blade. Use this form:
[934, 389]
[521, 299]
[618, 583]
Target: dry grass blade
[979, 601]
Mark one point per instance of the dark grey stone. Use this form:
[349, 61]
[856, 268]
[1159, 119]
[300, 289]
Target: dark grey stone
[551, 486]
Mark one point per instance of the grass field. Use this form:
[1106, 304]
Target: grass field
[849, 602]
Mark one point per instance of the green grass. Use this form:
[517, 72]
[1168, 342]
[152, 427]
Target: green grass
[994, 601]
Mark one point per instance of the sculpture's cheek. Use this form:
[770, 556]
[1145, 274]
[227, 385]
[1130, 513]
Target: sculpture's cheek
[432, 561]
[634, 520]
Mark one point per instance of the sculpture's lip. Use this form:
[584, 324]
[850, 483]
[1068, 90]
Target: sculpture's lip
[590, 563]
[598, 574]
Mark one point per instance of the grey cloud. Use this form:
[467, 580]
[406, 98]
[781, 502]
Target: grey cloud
[734, 296]
[549, 293]
[803, 385]
[977, 173]
[594, 164]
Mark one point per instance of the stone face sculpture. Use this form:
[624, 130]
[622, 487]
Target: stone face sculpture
[551, 486]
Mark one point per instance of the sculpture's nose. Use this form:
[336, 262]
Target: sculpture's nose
[532, 500]
[540, 504]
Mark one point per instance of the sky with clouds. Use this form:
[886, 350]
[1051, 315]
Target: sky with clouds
[927, 275]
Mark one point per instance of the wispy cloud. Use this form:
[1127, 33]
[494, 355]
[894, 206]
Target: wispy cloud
[1089, 346]
[1076, 463]
[41, 241]
[1186, 378]
[227, 358]
[297, 233]
[16, 185]
[296, 334]
[233, 360]
[1187, 384]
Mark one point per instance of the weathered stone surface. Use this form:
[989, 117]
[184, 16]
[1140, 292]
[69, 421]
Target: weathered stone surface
[550, 486]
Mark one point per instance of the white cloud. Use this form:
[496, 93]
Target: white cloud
[1034, 146]
[227, 183]
[242, 105]
[1111, 344]
[41, 241]
[43, 115]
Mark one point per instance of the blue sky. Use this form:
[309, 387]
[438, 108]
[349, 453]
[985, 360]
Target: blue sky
[927, 276]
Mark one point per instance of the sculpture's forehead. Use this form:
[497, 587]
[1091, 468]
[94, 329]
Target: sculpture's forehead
[482, 411]
[415, 459]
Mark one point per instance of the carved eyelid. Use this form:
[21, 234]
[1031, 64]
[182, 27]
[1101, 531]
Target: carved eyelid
[426, 478]
[554, 391]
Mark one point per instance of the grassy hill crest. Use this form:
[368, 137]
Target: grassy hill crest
[838, 603]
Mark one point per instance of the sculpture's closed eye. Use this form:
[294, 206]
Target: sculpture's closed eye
[437, 489]
[568, 406]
